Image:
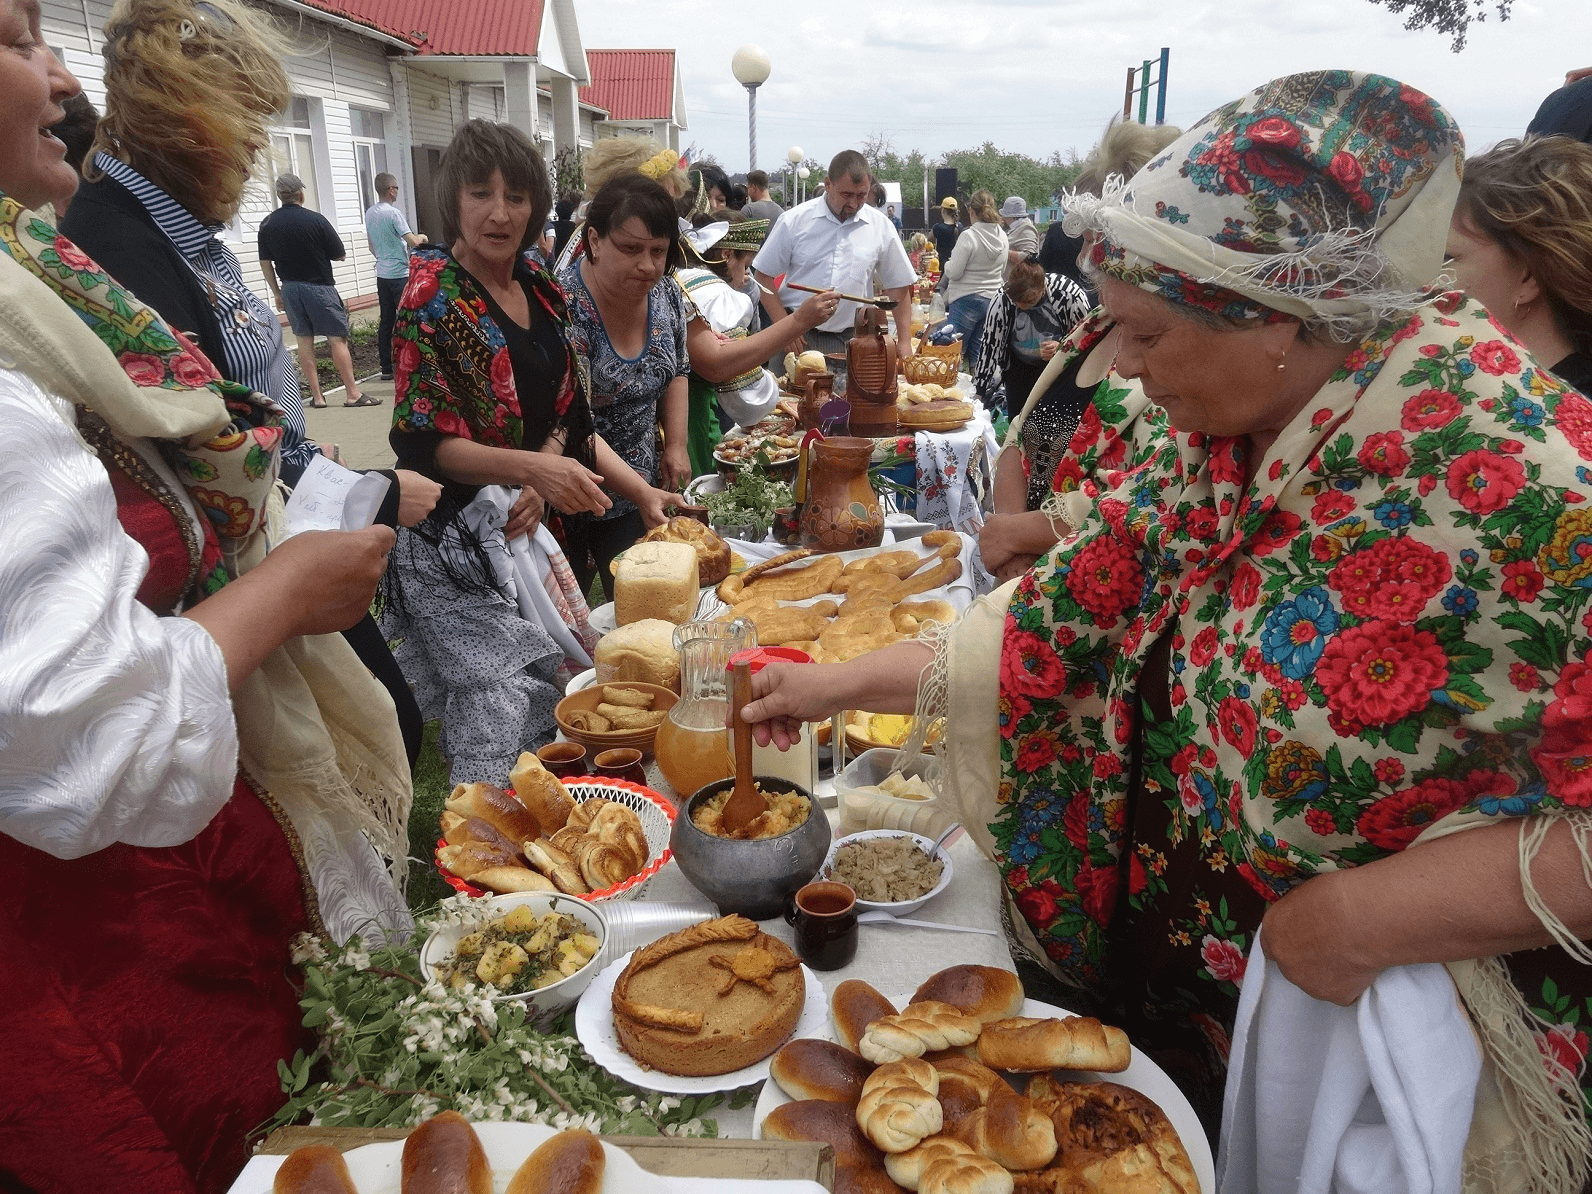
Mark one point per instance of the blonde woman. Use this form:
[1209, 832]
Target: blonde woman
[608, 159]
[974, 273]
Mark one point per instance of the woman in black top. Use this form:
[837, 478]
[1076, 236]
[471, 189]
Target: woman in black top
[491, 400]
[1521, 243]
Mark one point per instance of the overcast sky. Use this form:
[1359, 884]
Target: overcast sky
[1042, 75]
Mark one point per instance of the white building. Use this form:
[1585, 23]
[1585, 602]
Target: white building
[640, 90]
[381, 85]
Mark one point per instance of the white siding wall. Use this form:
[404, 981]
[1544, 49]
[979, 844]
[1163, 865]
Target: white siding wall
[433, 105]
[336, 69]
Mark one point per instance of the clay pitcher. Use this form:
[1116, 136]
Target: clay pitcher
[842, 511]
[820, 389]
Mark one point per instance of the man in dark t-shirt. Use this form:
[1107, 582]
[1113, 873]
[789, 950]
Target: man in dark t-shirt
[298, 246]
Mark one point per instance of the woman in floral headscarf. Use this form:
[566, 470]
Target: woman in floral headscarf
[1328, 595]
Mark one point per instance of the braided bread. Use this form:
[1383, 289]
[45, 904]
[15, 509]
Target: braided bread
[1010, 1130]
[919, 1029]
[1026, 1046]
[945, 1166]
[898, 1107]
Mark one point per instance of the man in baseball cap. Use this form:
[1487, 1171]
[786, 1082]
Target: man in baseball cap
[1021, 235]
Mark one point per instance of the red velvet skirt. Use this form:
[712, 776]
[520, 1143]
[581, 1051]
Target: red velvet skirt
[144, 1003]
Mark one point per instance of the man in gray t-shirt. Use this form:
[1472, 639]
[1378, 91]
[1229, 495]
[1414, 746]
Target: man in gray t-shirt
[387, 233]
[758, 205]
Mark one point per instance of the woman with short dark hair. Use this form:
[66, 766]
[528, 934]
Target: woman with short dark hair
[490, 399]
[628, 324]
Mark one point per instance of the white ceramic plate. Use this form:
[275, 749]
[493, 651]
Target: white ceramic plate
[594, 1027]
[585, 680]
[1142, 1074]
[377, 1168]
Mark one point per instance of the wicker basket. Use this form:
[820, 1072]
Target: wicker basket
[657, 824]
[930, 365]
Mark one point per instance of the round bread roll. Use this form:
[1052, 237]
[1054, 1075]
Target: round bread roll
[834, 1124]
[318, 1169]
[444, 1156]
[713, 554]
[983, 992]
[852, 1007]
[814, 1069]
[1026, 1045]
[570, 1163]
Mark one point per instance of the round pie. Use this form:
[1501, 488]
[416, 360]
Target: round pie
[710, 999]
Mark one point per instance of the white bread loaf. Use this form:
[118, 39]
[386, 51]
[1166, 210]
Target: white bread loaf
[639, 651]
[656, 580]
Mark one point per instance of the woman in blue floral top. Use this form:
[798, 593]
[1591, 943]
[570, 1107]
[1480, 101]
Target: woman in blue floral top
[1328, 597]
[629, 324]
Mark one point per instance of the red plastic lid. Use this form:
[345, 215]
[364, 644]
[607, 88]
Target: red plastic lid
[760, 657]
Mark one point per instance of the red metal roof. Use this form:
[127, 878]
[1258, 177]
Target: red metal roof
[449, 26]
[631, 84]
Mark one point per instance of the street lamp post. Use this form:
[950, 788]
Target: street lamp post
[750, 66]
[802, 173]
[794, 155]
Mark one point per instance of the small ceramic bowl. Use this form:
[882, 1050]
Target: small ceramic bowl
[900, 907]
[553, 998]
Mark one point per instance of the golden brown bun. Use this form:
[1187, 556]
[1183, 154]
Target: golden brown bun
[569, 1163]
[965, 1086]
[492, 804]
[558, 866]
[713, 554]
[444, 1156]
[473, 857]
[983, 992]
[919, 1028]
[814, 1069]
[834, 1124]
[864, 1179]
[538, 789]
[946, 1164]
[898, 1108]
[852, 1007]
[1112, 1138]
[318, 1169]
[1027, 1046]
[505, 880]
[476, 829]
[1010, 1130]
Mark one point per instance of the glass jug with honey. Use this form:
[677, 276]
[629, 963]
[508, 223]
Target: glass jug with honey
[693, 743]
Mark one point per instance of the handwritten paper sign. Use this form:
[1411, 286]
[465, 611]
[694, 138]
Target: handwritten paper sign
[330, 497]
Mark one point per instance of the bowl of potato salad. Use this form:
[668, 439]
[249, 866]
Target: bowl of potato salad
[537, 947]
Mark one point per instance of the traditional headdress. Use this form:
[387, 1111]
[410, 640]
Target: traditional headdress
[659, 164]
[748, 235]
[1325, 196]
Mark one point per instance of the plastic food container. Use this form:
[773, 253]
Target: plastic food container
[871, 810]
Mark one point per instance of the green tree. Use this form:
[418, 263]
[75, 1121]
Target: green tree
[1003, 173]
[1446, 16]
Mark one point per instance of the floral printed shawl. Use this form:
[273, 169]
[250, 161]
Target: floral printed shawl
[452, 368]
[1389, 629]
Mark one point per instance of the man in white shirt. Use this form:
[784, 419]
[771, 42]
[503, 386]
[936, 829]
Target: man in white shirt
[838, 242]
[387, 233]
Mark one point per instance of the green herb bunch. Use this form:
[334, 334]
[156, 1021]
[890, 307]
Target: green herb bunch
[752, 497]
[396, 1050]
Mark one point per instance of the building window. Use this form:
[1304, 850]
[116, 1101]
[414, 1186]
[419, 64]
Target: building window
[370, 150]
[293, 142]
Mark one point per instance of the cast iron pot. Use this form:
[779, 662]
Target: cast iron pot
[751, 878]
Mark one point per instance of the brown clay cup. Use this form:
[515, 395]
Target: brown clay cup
[622, 762]
[563, 759]
[824, 915]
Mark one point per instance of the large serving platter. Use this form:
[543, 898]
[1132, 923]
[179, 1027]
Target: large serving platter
[1142, 1074]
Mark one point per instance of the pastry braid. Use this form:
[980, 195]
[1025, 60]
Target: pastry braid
[921, 1028]
[898, 1107]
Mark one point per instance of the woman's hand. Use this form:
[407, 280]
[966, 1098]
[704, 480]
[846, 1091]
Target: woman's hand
[525, 515]
[815, 310]
[997, 542]
[565, 484]
[787, 695]
[1312, 936]
[655, 505]
[417, 496]
[1047, 349]
[1016, 566]
[676, 470]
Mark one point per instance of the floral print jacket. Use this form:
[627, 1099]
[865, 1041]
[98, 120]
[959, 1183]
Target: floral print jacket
[1388, 629]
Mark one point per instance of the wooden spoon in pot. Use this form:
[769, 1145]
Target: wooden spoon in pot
[745, 801]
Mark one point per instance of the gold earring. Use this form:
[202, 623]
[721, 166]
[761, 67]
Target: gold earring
[1281, 366]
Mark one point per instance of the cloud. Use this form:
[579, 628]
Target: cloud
[1038, 76]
